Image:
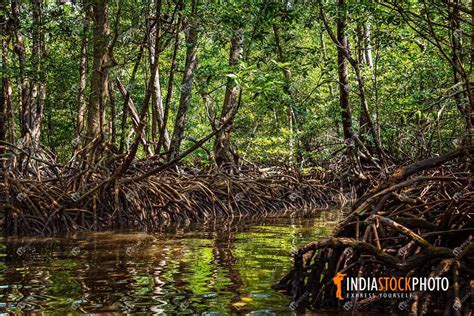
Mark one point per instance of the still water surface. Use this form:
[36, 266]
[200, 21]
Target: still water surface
[214, 269]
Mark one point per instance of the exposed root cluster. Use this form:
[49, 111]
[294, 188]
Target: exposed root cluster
[417, 223]
[94, 200]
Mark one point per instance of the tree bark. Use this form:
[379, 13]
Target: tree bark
[186, 85]
[132, 110]
[98, 94]
[19, 48]
[326, 60]
[82, 78]
[363, 61]
[459, 72]
[123, 123]
[7, 107]
[37, 85]
[469, 86]
[346, 114]
[113, 113]
[143, 112]
[169, 93]
[368, 44]
[5, 83]
[290, 112]
[225, 159]
[344, 54]
[157, 113]
[453, 14]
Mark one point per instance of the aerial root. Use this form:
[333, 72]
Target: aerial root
[417, 224]
[46, 207]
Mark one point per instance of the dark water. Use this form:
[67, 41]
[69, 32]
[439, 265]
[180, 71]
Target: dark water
[215, 269]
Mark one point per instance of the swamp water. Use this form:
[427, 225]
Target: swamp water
[214, 269]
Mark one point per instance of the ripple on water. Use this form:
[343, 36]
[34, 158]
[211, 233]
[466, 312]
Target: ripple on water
[213, 271]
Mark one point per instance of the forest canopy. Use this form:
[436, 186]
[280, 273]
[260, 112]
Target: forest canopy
[269, 69]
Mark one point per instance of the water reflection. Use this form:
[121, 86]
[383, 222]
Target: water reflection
[212, 269]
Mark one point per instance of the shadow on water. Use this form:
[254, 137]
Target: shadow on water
[212, 269]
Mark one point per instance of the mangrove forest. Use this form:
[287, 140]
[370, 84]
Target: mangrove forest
[252, 157]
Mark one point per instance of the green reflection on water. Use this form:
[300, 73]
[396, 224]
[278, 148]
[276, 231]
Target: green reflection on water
[213, 269]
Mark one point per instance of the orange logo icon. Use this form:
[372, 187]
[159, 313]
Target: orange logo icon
[338, 282]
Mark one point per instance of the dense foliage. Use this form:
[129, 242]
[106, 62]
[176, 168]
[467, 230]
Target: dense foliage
[287, 74]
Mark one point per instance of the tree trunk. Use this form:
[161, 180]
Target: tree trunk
[19, 48]
[113, 113]
[290, 111]
[98, 94]
[471, 67]
[169, 93]
[362, 61]
[6, 106]
[157, 113]
[368, 44]
[469, 86]
[459, 72]
[223, 154]
[143, 112]
[343, 53]
[186, 85]
[125, 108]
[37, 85]
[326, 60]
[9, 106]
[342, 72]
[82, 78]
[135, 118]
[5, 83]
[455, 49]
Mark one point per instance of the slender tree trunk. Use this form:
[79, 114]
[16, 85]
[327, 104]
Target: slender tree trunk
[469, 86]
[453, 14]
[342, 72]
[9, 108]
[222, 147]
[42, 75]
[35, 60]
[125, 109]
[143, 112]
[335, 117]
[157, 123]
[368, 44]
[37, 85]
[134, 116]
[98, 94]
[365, 106]
[5, 83]
[471, 67]
[459, 72]
[376, 93]
[343, 54]
[82, 78]
[362, 61]
[340, 40]
[6, 107]
[3, 119]
[326, 60]
[169, 93]
[186, 85]
[19, 48]
[290, 111]
[113, 113]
